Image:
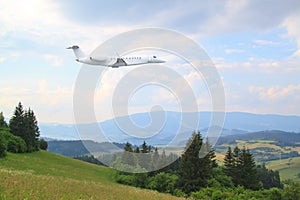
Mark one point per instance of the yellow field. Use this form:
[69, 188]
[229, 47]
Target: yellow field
[288, 168]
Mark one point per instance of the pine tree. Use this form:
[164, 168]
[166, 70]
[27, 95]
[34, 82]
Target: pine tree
[3, 123]
[137, 150]
[16, 123]
[229, 163]
[145, 148]
[268, 177]
[127, 156]
[24, 124]
[193, 170]
[248, 170]
[240, 166]
[144, 159]
[32, 132]
[155, 159]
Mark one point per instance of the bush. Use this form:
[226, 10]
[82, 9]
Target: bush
[179, 193]
[12, 146]
[13, 143]
[163, 182]
[291, 191]
[43, 144]
[204, 193]
[274, 194]
[2, 147]
[125, 179]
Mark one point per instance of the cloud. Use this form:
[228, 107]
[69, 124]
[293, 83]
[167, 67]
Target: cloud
[230, 51]
[49, 104]
[265, 42]
[2, 59]
[276, 93]
[292, 25]
[259, 65]
[249, 15]
[56, 61]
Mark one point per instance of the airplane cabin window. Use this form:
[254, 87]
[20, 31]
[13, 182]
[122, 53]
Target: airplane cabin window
[154, 56]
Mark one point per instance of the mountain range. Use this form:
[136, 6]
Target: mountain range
[170, 129]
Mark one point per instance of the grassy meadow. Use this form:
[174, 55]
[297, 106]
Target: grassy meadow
[288, 168]
[43, 175]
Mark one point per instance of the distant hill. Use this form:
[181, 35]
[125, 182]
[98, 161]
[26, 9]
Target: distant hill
[264, 145]
[283, 138]
[44, 175]
[235, 123]
[78, 147]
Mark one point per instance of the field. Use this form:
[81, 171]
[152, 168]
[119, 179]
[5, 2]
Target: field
[43, 175]
[288, 168]
[277, 157]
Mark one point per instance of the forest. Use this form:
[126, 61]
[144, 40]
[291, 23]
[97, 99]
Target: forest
[200, 177]
[21, 134]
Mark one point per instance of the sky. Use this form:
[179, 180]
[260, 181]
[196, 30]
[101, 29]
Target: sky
[255, 46]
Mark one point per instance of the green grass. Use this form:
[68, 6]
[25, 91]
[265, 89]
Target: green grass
[288, 168]
[43, 175]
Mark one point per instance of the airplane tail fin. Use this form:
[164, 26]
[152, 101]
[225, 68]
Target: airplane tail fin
[77, 51]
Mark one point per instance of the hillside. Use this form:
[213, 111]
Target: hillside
[44, 175]
[288, 168]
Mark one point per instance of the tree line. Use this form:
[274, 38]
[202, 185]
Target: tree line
[21, 134]
[199, 176]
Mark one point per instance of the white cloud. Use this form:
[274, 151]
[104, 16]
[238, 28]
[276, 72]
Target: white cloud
[266, 42]
[49, 104]
[2, 59]
[259, 65]
[230, 51]
[56, 61]
[292, 24]
[276, 93]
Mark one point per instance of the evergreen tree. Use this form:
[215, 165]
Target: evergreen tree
[248, 170]
[145, 148]
[144, 159]
[240, 166]
[16, 123]
[127, 156]
[229, 163]
[162, 160]
[3, 123]
[24, 124]
[210, 154]
[193, 170]
[43, 144]
[32, 132]
[237, 171]
[268, 178]
[155, 159]
[137, 150]
[2, 147]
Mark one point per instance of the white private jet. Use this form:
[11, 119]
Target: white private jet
[113, 62]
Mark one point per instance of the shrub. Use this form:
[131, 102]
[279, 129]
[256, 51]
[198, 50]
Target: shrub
[179, 193]
[292, 191]
[125, 179]
[13, 143]
[43, 144]
[163, 182]
[2, 147]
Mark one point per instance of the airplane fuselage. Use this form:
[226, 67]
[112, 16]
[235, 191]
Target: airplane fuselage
[119, 61]
[113, 61]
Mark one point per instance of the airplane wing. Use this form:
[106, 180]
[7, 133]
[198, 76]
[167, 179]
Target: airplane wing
[120, 62]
